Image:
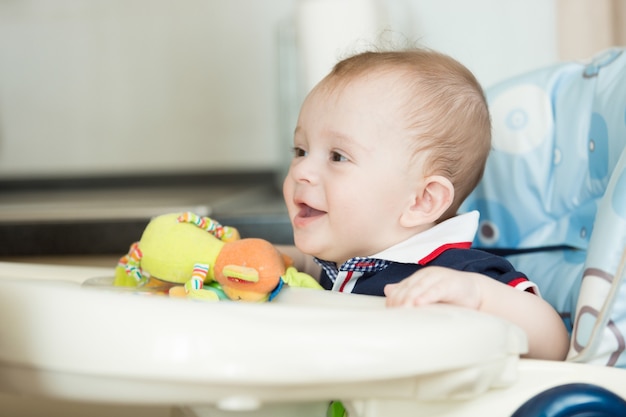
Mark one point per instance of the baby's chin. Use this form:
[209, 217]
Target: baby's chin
[322, 254]
[306, 247]
[310, 248]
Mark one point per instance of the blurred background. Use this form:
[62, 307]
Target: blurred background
[100, 87]
[103, 94]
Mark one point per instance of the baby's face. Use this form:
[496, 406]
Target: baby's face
[350, 178]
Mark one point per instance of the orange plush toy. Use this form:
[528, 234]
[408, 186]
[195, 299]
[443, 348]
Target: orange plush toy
[196, 257]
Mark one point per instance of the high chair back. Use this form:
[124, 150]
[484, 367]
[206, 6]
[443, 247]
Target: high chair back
[553, 196]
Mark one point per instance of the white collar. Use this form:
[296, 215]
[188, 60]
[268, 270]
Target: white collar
[458, 229]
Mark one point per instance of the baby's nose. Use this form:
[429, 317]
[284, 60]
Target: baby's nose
[304, 170]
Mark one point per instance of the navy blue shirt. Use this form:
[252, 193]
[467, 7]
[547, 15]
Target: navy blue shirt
[468, 260]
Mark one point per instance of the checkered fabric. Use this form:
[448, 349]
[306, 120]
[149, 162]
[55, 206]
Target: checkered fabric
[358, 264]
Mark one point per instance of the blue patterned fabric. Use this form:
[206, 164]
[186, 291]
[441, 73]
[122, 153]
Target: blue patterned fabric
[558, 136]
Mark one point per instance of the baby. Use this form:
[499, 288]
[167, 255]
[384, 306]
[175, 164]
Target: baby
[386, 148]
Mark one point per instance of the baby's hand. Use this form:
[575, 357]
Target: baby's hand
[436, 284]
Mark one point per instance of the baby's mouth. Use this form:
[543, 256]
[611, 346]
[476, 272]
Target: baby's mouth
[308, 211]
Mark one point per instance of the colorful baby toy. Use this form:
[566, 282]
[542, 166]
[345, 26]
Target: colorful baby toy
[186, 255]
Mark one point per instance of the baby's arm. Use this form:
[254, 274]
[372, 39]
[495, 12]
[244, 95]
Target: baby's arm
[547, 336]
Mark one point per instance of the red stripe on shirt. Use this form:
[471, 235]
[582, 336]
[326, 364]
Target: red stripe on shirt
[441, 249]
[345, 281]
[517, 281]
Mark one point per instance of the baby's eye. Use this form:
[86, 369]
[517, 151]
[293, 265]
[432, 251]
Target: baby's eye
[298, 152]
[337, 157]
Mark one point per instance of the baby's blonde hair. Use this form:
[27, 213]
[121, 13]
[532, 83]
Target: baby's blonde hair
[445, 108]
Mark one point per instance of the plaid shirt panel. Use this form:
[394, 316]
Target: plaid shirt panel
[358, 264]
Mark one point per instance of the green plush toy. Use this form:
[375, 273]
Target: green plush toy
[196, 257]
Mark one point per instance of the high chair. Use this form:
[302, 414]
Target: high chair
[553, 200]
[553, 196]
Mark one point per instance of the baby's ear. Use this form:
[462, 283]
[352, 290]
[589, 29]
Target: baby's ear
[430, 202]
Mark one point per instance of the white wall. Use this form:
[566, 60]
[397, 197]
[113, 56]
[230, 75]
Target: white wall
[494, 38]
[101, 86]
[92, 87]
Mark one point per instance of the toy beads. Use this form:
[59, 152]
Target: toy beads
[198, 276]
[133, 262]
[200, 272]
[223, 233]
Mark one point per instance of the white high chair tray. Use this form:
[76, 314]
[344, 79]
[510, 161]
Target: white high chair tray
[59, 339]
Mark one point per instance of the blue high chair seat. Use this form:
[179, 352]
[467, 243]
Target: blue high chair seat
[553, 196]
